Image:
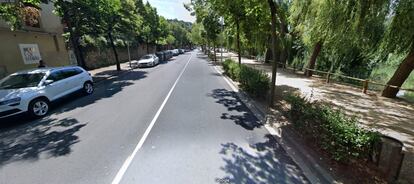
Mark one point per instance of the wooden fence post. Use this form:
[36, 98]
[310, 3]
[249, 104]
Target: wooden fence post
[365, 86]
[328, 77]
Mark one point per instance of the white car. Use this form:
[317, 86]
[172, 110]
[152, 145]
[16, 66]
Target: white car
[146, 61]
[33, 90]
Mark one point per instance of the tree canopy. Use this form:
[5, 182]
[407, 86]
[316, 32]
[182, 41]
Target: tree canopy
[355, 38]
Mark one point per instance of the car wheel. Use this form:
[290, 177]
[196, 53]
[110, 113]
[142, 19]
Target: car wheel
[39, 107]
[88, 88]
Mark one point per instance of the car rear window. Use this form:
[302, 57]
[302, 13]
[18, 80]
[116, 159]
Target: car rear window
[21, 81]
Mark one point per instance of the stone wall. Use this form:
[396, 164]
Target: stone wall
[51, 47]
[101, 57]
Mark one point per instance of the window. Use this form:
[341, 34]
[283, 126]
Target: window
[71, 72]
[21, 81]
[56, 76]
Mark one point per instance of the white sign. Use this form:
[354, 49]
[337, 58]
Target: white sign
[30, 53]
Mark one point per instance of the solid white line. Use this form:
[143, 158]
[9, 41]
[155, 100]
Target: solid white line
[128, 161]
[225, 79]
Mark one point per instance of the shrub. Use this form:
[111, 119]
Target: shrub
[231, 69]
[251, 80]
[254, 81]
[331, 129]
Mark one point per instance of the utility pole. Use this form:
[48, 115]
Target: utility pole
[222, 41]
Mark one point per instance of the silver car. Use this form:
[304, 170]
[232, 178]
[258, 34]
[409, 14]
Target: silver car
[33, 90]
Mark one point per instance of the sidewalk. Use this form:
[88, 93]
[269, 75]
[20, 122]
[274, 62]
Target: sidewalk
[101, 74]
[391, 117]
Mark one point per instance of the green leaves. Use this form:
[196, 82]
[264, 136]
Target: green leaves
[331, 129]
[254, 82]
[13, 13]
[399, 36]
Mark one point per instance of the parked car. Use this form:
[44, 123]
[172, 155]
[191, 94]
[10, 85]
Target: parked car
[33, 90]
[176, 52]
[168, 54]
[181, 51]
[148, 60]
[161, 56]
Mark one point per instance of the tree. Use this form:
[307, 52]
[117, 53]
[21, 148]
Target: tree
[195, 36]
[211, 24]
[274, 48]
[14, 12]
[79, 18]
[400, 38]
[109, 17]
[338, 26]
[180, 30]
[233, 13]
[130, 23]
[278, 15]
[150, 27]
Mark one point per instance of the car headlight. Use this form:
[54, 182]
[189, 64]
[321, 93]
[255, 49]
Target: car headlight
[11, 101]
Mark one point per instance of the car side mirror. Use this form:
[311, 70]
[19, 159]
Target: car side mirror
[48, 82]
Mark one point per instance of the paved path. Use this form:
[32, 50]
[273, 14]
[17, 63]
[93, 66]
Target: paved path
[178, 122]
[392, 117]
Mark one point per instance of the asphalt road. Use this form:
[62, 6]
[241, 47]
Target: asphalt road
[179, 122]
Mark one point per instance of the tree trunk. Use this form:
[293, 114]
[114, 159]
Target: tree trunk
[274, 68]
[147, 47]
[268, 55]
[74, 41]
[78, 52]
[238, 40]
[400, 75]
[312, 61]
[81, 57]
[215, 55]
[118, 65]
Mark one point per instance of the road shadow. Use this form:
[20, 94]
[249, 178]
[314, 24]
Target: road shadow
[22, 138]
[43, 138]
[236, 110]
[104, 89]
[100, 76]
[264, 162]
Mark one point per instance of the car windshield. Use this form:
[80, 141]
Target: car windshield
[21, 81]
[146, 57]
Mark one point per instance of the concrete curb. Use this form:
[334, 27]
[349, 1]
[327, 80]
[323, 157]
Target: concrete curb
[287, 139]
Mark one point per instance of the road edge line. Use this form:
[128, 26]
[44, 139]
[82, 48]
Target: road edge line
[275, 133]
[129, 159]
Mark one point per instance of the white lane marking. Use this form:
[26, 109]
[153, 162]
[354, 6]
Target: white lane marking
[227, 80]
[128, 161]
[270, 129]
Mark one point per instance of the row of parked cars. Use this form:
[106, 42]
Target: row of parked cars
[33, 91]
[151, 60]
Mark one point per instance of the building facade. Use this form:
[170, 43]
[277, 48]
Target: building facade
[39, 39]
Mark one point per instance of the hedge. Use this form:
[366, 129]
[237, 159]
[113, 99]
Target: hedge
[331, 129]
[254, 82]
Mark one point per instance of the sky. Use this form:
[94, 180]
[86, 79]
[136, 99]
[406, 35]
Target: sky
[172, 9]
